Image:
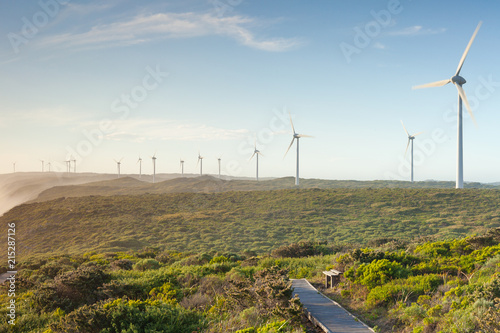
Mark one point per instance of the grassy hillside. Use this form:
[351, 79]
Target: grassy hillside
[207, 184]
[253, 220]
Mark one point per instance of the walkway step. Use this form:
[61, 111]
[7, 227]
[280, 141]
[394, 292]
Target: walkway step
[327, 314]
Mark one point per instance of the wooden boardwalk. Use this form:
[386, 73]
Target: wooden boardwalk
[325, 313]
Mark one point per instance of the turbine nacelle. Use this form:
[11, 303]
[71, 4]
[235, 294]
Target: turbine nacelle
[457, 79]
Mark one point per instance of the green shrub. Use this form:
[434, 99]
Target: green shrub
[146, 264]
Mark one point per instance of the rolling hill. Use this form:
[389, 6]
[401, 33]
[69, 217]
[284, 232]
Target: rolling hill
[239, 220]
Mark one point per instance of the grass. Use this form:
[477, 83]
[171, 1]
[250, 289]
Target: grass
[259, 221]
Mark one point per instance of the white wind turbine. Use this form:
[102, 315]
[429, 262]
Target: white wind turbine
[410, 138]
[200, 161]
[296, 136]
[14, 166]
[219, 160]
[49, 164]
[256, 153]
[43, 165]
[182, 167]
[154, 166]
[458, 81]
[74, 165]
[68, 166]
[140, 166]
[118, 164]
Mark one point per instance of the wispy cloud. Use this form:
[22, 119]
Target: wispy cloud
[379, 46]
[147, 28]
[46, 117]
[416, 30]
[142, 130]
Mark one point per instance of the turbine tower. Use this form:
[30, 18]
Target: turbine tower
[458, 81]
[410, 138]
[118, 164]
[256, 153]
[182, 167]
[74, 165]
[14, 166]
[219, 160]
[200, 161]
[49, 164]
[154, 167]
[296, 136]
[43, 165]
[68, 166]
[140, 166]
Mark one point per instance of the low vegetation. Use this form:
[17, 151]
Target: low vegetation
[258, 221]
[396, 286]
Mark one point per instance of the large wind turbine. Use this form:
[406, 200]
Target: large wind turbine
[140, 166]
[296, 136]
[256, 153]
[154, 166]
[410, 138]
[200, 161]
[118, 164]
[458, 81]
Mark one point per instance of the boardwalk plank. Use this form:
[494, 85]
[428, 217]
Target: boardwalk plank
[332, 317]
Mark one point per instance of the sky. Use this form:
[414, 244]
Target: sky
[118, 80]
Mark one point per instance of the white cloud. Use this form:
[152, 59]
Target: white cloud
[135, 130]
[146, 28]
[416, 30]
[379, 46]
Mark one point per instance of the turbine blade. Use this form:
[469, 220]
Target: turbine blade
[461, 63]
[405, 128]
[461, 92]
[252, 156]
[291, 143]
[407, 145]
[432, 84]
[291, 122]
[414, 135]
[304, 136]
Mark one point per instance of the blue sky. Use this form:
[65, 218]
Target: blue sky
[102, 81]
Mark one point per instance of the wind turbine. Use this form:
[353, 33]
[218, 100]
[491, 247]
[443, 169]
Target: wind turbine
[118, 164]
[200, 161]
[182, 167]
[410, 138]
[296, 136]
[256, 153]
[154, 166]
[43, 165]
[458, 81]
[140, 166]
[74, 164]
[14, 166]
[68, 166]
[49, 164]
[219, 160]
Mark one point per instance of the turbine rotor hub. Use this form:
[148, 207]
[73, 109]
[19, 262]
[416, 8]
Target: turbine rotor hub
[458, 80]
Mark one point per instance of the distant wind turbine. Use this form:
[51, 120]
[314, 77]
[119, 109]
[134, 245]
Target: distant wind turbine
[74, 164]
[14, 166]
[200, 161]
[140, 166]
[43, 165]
[68, 166]
[182, 167]
[219, 160]
[410, 138]
[49, 164]
[296, 136]
[154, 166]
[118, 164]
[458, 81]
[256, 153]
